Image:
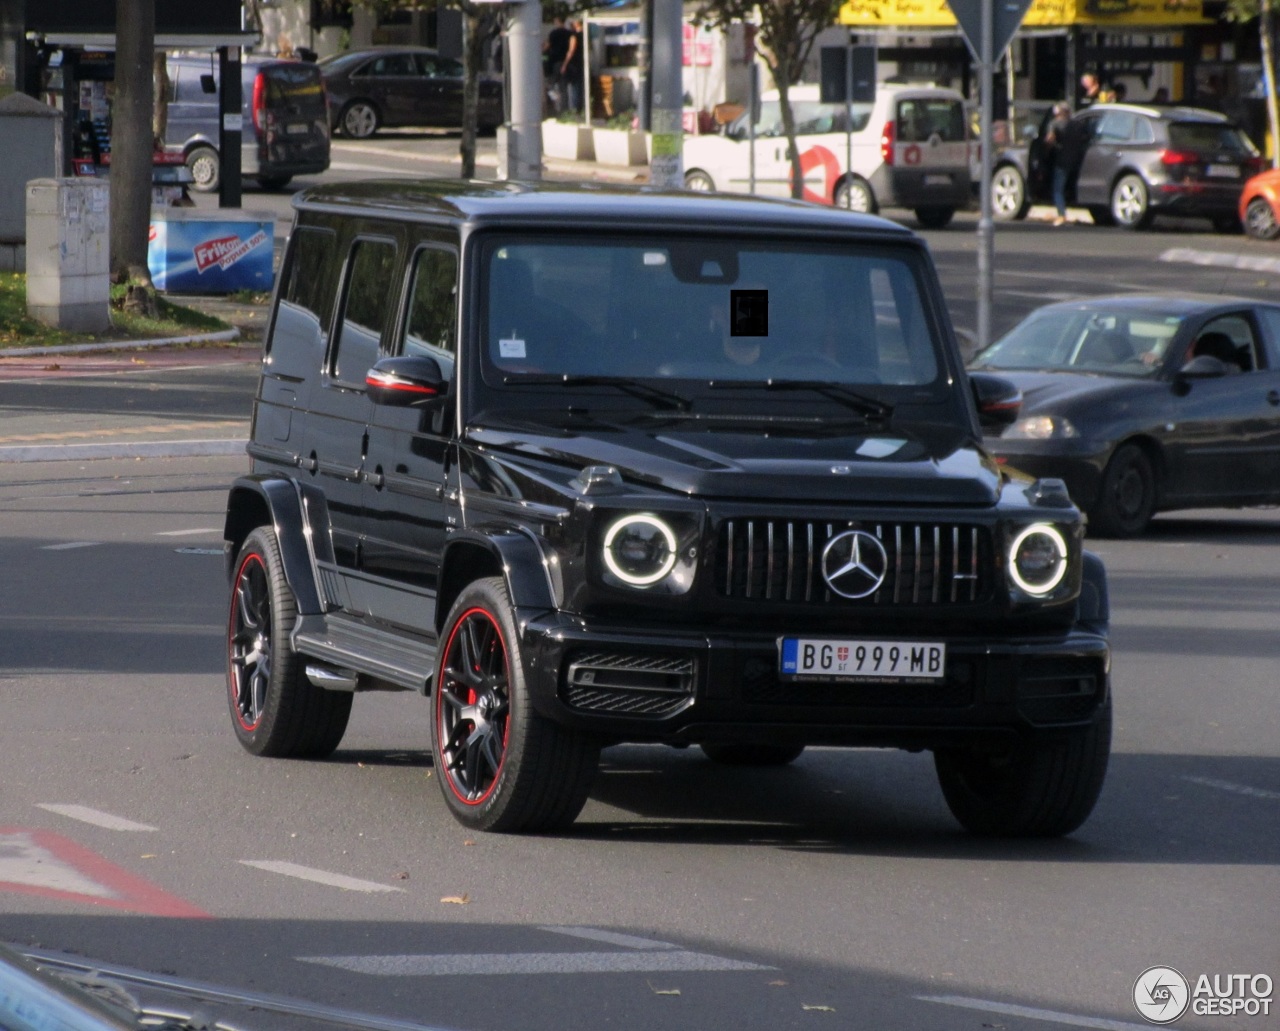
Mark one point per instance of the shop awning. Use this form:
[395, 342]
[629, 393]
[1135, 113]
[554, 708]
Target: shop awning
[1117, 15]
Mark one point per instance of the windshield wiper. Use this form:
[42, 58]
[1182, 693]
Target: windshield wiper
[656, 396]
[872, 409]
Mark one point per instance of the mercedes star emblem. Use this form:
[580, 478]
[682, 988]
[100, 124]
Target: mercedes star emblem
[854, 564]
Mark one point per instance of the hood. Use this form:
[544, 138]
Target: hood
[880, 468]
[1055, 392]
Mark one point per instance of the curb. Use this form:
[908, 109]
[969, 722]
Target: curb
[123, 449]
[222, 336]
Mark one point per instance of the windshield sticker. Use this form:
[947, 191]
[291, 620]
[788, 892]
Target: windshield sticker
[879, 447]
[512, 347]
[750, 313]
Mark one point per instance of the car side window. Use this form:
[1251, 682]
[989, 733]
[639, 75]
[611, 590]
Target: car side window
[391, 64]
[370, 276]
[1116, 127]
[305, 307]
[431, 323]
[1242, 349]
[1271, 331]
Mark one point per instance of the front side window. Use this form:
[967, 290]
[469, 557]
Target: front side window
[368, 300]
[708, 310]
[430, 326]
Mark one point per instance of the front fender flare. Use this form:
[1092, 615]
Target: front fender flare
[299, 518]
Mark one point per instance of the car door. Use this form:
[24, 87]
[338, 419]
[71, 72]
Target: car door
[1112, 135]
[409, 447]
[441, 102]
[1223, 442]
[392, 82]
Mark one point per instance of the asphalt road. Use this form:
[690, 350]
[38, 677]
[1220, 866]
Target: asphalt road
[834, 893]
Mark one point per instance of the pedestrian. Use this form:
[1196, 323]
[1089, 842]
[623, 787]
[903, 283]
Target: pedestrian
[571, 66]
[1054, 136]
[1090, 88]
[1069, 156]
[554, 51]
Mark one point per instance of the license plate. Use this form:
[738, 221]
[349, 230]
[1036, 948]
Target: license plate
[937, 180]
[880, 662]
[297, 128]
[1224, 171]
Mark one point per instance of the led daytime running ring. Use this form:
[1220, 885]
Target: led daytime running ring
[1060, 546]
[643, 519]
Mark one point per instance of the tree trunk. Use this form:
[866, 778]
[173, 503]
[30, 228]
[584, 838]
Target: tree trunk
[160, 112]
[131, 142]
[1267, 29]
[476, 26]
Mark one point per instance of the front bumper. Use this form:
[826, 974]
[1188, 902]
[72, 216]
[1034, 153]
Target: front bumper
[1078, 463]
[687, 687]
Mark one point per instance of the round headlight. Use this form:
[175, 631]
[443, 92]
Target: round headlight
[640, 550]
[1038, 559]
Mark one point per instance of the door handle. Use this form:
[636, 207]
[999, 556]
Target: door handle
[1273, 397]
[375, 479]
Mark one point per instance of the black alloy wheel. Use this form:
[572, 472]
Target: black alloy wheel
[275, 710]
[1127, 499]
[500, 765]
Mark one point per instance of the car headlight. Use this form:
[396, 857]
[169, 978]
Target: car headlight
[1041, 427]
[1037, 559]
[640, 550]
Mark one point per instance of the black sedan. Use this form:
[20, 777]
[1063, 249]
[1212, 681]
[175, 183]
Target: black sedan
[387, 87]
[1145, 403]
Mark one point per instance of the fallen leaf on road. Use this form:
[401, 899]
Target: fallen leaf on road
[403, 875]
[457, 900]
[662, 991]
[468, 842]
[777, 984]
[149, 855]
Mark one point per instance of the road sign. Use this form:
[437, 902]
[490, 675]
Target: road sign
[835, 79]
[1006, 16]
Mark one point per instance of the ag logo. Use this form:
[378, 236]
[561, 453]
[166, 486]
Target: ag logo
[1161, 994]
[854, 564]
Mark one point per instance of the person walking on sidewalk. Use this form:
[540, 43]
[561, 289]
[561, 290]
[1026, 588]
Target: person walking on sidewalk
[1054, 135]
[554, 51]
[571, 67]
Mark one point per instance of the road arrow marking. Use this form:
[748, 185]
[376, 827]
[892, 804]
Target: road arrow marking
[307, 873]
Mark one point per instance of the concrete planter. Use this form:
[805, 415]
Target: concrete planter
[567, 141]
[621, 147]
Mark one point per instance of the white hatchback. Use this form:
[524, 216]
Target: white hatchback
[909, 148]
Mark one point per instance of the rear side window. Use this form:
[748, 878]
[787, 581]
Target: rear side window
[306, 298]
[1210, 137]
[370, 277]
[921, 119]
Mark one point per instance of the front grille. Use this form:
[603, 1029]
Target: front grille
[781, 560]
[628, 684]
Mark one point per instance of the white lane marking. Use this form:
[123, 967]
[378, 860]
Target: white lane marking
[1192, 256]
[1048, 295]
[94, 816]
[189, 533]
[653, 961]
[306, 873]
[22, 861]
[1051, 1016]
[627, 941]
[1235, 789]
[69, 545]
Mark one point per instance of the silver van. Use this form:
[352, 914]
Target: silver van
[285, 119]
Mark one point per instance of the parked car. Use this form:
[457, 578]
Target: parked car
[1145, 404]
[597, 465]
[284, 124]
[392, 87]
[1140, 162]
[1260, 205]
[910, 149]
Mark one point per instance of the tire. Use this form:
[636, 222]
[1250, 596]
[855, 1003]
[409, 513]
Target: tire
[1131, 202]
[1044, 789]
[1127, 499]
[206, 169]
[935, 217]
[740, 754]
[698, 181]
[1260, 220]
[274, 182]
[275, 710]
[1101, 215]
[500, 766]
[1009, 200]
[854, 194]
[359, 120]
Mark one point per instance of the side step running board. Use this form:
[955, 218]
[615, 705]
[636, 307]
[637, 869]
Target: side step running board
[345, 647]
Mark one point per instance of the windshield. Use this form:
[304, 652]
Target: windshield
[705, 309]
[1124, 342]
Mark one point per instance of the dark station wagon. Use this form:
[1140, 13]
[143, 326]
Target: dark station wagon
[592, 465]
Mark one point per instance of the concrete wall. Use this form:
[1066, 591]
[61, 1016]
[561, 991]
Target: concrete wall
[31, 142]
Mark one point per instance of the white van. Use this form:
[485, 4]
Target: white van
[910, 150]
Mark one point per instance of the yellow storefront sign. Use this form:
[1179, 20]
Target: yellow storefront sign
[908, 14]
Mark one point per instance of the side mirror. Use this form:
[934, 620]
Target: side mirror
[406, 381]
[1204, 366]
[998, 399]
[208, 84]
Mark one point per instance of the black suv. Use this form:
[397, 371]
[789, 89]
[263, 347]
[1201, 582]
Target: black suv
[592, 465]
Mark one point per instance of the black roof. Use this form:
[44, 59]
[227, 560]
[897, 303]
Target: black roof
[482, 201]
